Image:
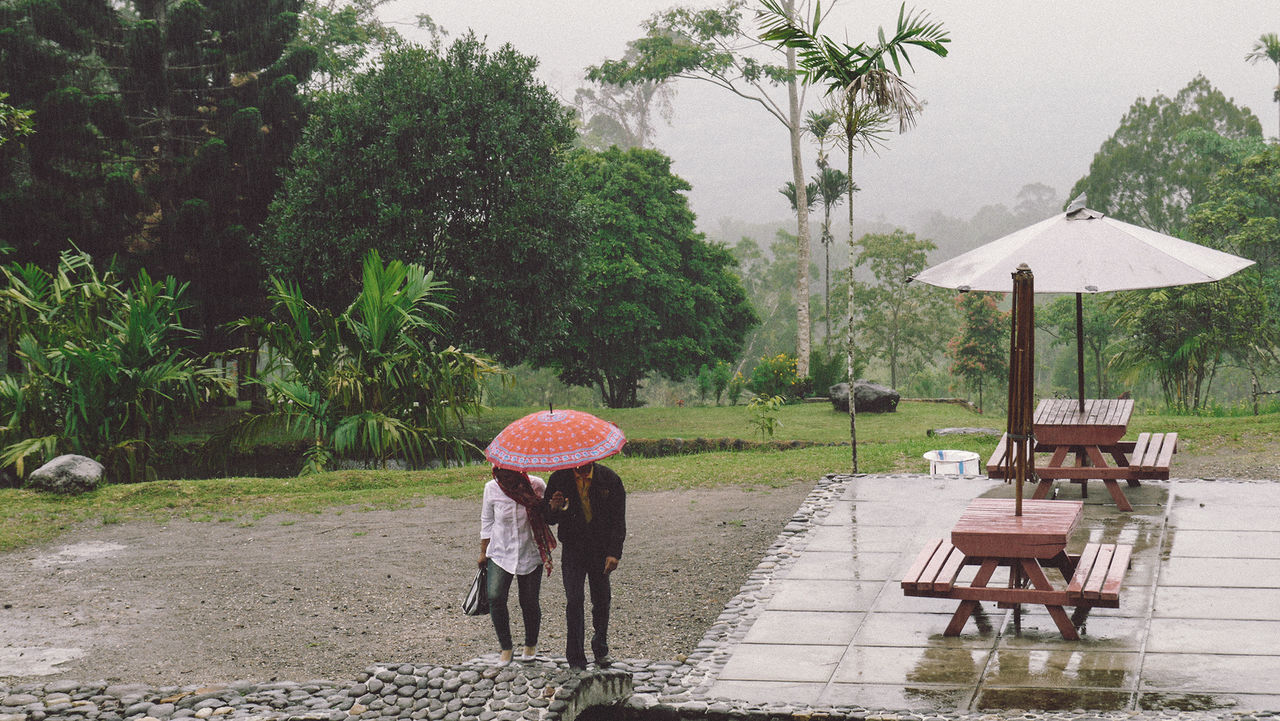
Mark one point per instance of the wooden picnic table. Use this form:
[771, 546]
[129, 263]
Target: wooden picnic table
[1086, 439]
[989, 535]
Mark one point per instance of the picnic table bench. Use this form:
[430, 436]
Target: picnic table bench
[1062, 431]
[990, 536]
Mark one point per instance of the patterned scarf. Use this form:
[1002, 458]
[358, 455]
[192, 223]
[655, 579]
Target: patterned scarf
[518, 488]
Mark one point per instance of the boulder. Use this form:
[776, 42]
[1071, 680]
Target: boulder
[867, 397]
[69, 474]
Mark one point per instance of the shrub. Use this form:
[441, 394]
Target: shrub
[105, 370]
[372, 383]
[776, 376]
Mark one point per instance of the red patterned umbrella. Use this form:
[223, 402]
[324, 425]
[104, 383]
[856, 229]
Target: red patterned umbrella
[551, 440]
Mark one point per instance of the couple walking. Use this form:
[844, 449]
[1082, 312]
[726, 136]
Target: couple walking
[588, 504]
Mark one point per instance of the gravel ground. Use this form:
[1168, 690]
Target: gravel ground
[303, 597]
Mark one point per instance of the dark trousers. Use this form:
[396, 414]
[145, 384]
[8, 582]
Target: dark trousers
[575, 568]
[528, 586]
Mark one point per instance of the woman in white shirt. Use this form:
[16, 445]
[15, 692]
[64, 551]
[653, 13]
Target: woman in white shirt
[515, 542]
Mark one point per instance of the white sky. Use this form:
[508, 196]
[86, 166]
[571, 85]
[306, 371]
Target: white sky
[1029, 92]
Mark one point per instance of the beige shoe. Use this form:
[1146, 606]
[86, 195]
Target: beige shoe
[504, 658]
[530, 652]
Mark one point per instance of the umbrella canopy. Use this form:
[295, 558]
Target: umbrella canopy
[551, 440]
[1083, 251]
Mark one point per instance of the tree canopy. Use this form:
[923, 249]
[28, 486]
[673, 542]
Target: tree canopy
[658, 298]
[1147, 173]
[159, 131]
[454, 160]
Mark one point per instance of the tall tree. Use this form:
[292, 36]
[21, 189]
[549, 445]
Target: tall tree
[766, 275]
[978, 354]
[899, 325]
[454, 160]
[1146, 173]
[658, 298]
[867, 91]
[830, 185]
[1267, 48]
[715, 45]
[159, 129]
[621, 115]
[345, 34]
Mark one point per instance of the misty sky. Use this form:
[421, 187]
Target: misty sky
[1029, 92]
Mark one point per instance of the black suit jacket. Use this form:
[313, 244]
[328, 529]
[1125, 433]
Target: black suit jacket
[602, 537]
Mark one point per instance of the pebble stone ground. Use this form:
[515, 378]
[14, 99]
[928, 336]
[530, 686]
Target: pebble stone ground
[542, 690]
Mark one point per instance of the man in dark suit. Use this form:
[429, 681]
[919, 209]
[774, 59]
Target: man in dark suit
[590, 506]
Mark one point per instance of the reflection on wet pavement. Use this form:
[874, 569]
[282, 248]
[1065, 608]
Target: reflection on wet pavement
[1198, 627]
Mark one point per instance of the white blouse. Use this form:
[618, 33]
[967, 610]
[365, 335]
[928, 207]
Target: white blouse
[506, 524]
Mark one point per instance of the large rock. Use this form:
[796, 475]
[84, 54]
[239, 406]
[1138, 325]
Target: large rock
[867, 397]
[69, 474]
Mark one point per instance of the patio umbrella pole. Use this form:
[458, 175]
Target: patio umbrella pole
[1021, 383]
[1080, 347]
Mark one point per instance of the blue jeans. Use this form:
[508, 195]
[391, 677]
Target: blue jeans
[528, 587]
[575, 568]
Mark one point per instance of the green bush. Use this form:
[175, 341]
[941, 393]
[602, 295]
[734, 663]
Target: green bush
[776, 376]
[372, 383]
[105, 370]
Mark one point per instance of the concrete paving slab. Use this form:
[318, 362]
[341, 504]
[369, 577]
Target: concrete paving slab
[782, 662]
[917, 697]
[1218, 516]
[816, 595]
[763, 692]
[917, 665]
[1064, 667]
[846, 566]
[1223, 543]
[1210, 673]
[1100, 634]
[1177, 635]
[993, 699]
[817, 628]
[1221, 572]
[1163, 701]
[1237, 604]
[923, 629]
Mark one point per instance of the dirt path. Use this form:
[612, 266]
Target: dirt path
[323, 596]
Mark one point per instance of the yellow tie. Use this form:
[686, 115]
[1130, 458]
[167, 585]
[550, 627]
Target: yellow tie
[584, 486]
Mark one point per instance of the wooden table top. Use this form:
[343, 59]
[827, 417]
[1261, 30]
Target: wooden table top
[988, 528]
[1058, 421]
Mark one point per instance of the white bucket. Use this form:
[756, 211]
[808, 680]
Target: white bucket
[951, 463]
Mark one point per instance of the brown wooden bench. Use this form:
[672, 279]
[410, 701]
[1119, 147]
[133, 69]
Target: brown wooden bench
[935, 570]
[1147, 458]
[1099, 574]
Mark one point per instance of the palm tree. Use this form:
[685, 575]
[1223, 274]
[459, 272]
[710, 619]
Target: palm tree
[1267, 48]
[830, 184]
[810, 195]
[868, 93]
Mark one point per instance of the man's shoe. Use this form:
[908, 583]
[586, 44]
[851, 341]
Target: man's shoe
[578, 664]
[603, 662]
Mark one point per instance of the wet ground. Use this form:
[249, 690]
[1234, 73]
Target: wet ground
[1198, 625]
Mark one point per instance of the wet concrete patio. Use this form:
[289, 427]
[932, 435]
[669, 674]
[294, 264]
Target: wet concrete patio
[1198, 626]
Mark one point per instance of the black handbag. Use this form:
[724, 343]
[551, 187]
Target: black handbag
[477, 601]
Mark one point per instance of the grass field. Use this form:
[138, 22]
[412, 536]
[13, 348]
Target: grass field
[886, 443]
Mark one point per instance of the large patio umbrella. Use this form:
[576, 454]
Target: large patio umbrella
[551, 440]
[1018, 458]
[1083, 251]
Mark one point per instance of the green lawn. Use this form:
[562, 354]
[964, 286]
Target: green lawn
[886, 443]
